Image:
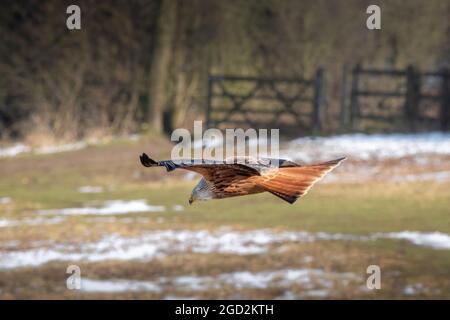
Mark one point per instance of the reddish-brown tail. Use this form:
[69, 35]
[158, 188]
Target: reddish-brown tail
[293, 182]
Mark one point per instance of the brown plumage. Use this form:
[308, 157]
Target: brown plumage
[284, 179]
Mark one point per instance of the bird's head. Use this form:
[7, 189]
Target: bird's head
[198, 195]
[200, 192]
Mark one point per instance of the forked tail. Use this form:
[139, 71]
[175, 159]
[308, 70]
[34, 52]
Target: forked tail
[293, 182]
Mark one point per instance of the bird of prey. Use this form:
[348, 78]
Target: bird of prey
[243, 176]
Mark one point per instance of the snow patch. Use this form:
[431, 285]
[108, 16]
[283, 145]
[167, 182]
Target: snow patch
[115, 286]
[109, 208]
[366, 147]
[435, 240]
[177, 207]
[428, 176]
[173, 297]
[61, 148]
[29, 222]
[314, 281]
[413, 289]
[154, 244]
[5, 200]
[20, 148]
[14, 150]
[90, 189]
[160, 243]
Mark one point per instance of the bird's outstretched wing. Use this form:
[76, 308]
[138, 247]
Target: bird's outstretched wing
[212, 171]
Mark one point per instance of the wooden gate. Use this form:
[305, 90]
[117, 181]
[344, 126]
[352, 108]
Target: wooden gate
[291, 104]
[396, 100]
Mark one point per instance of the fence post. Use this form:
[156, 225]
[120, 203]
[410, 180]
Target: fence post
[354, 105]
[344, 106]
[412, 97]
[445, 100]
[208, 102]
[318, 101]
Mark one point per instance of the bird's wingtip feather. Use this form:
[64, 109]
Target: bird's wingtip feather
[146, 161]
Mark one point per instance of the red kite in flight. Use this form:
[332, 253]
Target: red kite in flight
[283, 178]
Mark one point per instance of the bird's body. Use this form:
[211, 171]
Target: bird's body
[243, 176]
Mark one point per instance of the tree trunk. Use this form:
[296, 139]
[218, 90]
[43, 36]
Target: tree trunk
[160, 67]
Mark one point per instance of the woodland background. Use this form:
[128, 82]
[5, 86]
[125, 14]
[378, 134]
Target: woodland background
[135, 63]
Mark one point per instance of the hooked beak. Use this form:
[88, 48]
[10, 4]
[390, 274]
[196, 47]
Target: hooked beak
[191, 200]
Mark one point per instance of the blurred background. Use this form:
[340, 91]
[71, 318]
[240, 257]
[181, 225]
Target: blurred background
[77, 107]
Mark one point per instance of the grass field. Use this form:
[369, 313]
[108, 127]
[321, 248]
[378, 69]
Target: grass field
[154, 245]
